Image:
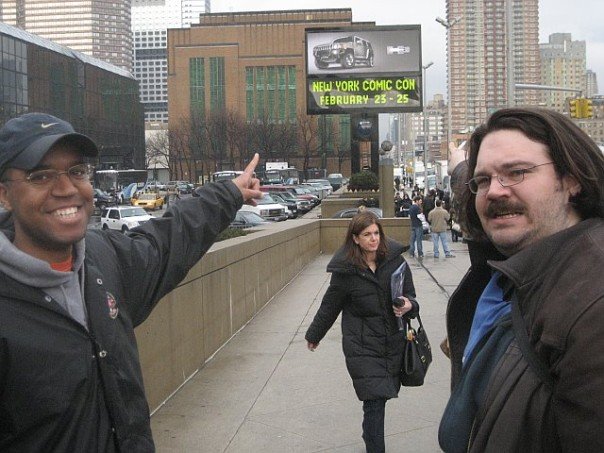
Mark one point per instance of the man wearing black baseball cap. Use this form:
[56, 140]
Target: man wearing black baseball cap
[70, 378]
[25, 140]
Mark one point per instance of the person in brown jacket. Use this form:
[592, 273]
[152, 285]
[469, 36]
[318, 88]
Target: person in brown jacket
[438, 218]
[524, 327]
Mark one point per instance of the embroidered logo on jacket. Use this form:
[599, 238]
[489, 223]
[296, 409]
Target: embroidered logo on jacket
[112, 304]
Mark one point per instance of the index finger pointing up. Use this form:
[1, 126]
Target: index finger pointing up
[252, 165]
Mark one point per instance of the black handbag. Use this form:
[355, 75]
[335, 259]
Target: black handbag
[417, 355]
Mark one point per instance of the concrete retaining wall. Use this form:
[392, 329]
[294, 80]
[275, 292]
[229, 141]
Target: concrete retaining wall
[222, 292]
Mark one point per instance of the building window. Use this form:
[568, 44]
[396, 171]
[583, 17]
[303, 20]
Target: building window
[271, 93]
[197, 87]
[217, 85]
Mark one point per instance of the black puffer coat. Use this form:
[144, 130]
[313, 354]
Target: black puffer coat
[372, 343]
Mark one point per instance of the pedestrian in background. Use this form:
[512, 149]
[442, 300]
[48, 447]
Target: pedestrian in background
[429, 202]
[417, 228]
[371, 339]
[525, 327]
[438, 219]
[70, 377]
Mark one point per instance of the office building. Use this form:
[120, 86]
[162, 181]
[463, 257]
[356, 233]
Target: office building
[150, 22]
[99, 99]
[99, 28]
[563, 64]
[479, 57]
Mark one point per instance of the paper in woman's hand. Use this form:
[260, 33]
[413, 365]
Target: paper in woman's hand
[397, 281]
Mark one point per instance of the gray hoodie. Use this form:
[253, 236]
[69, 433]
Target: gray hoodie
[63, 287]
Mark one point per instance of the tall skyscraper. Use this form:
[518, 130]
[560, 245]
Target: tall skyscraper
[592, 84]
[563, 64]
[99, 28]
[482, 43]
[150, 21]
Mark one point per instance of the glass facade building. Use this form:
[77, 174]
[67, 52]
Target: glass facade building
[99, 99]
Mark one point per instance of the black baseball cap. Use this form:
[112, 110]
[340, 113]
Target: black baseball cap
[25, 140]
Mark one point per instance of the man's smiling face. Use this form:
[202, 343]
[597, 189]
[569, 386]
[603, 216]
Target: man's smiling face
[49, 218]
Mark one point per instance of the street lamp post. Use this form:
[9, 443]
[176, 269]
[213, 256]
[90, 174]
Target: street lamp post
[426, 66]
[386, 179]
[448, 24]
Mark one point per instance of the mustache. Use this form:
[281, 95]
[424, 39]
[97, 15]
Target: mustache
[499, 207]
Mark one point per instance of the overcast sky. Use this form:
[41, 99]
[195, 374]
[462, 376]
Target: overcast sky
[581, 18]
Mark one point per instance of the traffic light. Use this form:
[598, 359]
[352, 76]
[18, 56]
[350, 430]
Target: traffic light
[588, 109]
[574, 108]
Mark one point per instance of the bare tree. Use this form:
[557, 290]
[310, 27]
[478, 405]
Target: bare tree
[307, 138]
[178, 136]
[340, 150]
[216, 137]
[239, 139]
[198, 143]
[157, 148]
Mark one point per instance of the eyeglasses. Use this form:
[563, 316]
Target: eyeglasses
[77, 174]
[506, 178]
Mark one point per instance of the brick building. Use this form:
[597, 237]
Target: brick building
[252, 65]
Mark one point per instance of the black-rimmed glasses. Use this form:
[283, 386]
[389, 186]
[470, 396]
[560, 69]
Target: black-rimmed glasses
[506, 178]
[77, 174]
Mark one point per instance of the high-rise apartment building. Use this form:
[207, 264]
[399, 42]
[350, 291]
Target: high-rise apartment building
[480, 55]
[563, 64]
[99, 28]
[591, 87]
[150, 21]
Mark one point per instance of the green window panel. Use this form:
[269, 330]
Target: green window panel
[217, 84]
[197, 98]
[291, 91]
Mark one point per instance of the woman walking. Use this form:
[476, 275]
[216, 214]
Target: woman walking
[372, 342]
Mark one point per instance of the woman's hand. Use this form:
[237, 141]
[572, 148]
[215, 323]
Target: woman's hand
[402, 309]
[312, 346]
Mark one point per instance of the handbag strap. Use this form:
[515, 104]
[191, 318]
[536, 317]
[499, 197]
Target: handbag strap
[528, 351]
[419, 320]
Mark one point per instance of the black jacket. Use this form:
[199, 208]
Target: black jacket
[67, 389]
[372, 343]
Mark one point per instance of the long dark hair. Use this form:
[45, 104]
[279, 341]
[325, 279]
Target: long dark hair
[357, 224]
[573, 152]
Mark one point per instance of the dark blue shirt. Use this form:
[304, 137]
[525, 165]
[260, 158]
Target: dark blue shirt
[414, 210]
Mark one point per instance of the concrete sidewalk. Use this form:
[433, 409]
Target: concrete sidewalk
[265, 392]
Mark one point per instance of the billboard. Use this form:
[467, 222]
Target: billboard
[375, 69]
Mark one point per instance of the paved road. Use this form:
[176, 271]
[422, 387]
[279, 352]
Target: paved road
[265, 392]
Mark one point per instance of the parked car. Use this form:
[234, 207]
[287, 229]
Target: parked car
[155, 185]
[123, 218]
[290, 204]
[174, 185]
[303, 203]
[348, 213]
[336, 180]
[267, 209]
[185, 187]
[151, 200]
[297, 191]
[102, 199]
[247, 219]
[327, 189]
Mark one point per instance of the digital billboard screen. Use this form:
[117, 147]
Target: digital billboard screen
[364, 70]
